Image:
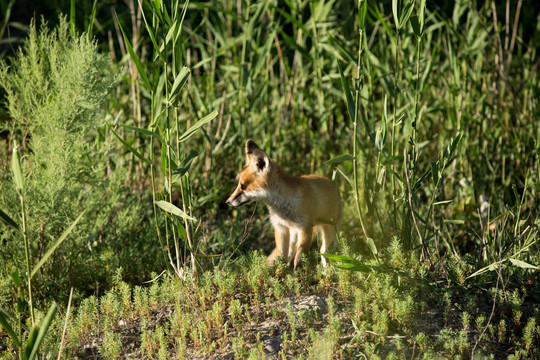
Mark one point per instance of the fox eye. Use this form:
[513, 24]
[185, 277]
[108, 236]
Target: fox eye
[243, 186]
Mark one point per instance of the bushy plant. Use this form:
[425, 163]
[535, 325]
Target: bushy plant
[56, 90]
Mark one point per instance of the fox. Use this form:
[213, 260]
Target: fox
[298, 206]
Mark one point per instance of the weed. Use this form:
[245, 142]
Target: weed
[111, 347]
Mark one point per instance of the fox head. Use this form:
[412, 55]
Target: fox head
[253, 179]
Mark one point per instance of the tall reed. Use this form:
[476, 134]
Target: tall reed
[168, 77]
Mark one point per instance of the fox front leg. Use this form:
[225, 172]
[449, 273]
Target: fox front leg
[282, 236]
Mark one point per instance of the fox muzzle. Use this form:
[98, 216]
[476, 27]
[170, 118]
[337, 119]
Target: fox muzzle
[238, 200]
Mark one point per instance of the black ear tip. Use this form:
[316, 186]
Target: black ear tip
[250, 146]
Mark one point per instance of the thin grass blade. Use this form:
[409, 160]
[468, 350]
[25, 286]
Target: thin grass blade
[30, 342]
[45, 324]
[134, 56]
[92, 18]
[9, 330]
[348, 95]
[339, 159]
[56, 244]
[151, 33]
[129, 147]
[6, 219]
[143, 131]
[197, 125]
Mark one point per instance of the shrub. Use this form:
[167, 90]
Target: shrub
[56, 89]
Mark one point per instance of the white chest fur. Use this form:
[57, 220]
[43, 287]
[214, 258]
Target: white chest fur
[284, 210]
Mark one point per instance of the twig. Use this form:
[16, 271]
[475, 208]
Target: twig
[247, 231]
[492, 311]
[156, 278]
[65, 325]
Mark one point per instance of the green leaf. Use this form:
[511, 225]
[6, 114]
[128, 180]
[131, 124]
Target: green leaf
[166, 15]
[396, 175]
[22, 304]
[381, 175]
[173, 31]
[129, 147]
[45, 324]
[16, 168]
[379, 143]
[134, 56]
[490, 267]
[421, 14]
[179, 83]
[197, 125]
[522, 264]
[30, 342]
[9, 330]
[186, 164]
[151, 33]
[419, 181]
[293, 44]
[92, 18]
[362, 14]
[182, 233]
[406, 14]
[170, 208]
[417, 29]
[339, 159]
[16, 278]
[372, 247]
[395, 13]
[453, 145]
[143, 131]
[348, 95]
[8, 220]
[351, 264]
[341, 258]
[56, 244]
[156, 6]
[384, 121]
[435, 172]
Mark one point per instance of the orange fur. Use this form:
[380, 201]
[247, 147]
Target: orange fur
[297, 205]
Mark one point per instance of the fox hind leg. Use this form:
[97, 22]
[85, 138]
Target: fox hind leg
[329, 237]
[305, 238]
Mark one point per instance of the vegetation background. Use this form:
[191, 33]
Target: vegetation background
[122, 128]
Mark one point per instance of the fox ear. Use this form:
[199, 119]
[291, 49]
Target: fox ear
[258, 161]
[256, 158]
[261, 162]
[250, 147]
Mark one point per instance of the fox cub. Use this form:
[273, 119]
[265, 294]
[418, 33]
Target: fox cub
[297, 205]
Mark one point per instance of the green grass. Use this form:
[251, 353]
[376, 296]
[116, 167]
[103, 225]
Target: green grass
[424, 114]
[408, 312]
